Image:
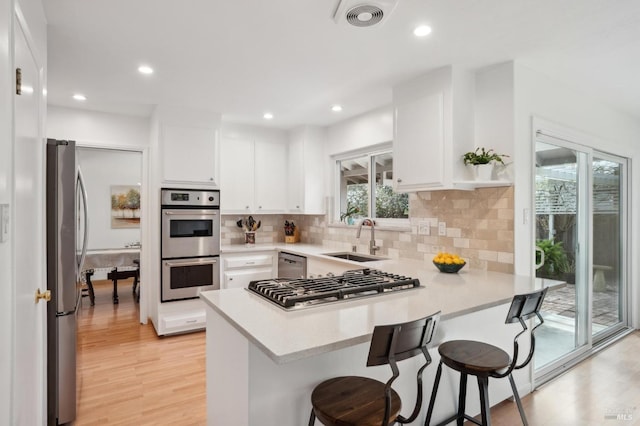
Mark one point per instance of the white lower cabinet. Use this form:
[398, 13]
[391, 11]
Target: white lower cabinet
[239, 269]
[321, 268]
[180, 317]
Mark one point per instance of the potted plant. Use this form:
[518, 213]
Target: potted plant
[482, 161]
[347, 216]
[556, 262]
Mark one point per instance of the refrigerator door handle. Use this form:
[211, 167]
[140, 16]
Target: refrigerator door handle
[83, 192]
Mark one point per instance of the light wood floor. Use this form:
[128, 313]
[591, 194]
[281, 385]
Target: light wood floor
[595, 392]
[129, 376]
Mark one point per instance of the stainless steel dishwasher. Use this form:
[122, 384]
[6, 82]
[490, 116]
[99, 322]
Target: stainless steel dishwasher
[291, 266]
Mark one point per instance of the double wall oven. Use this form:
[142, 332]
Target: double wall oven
[190, 250]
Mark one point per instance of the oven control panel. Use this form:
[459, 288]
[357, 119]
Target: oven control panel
[190, 198]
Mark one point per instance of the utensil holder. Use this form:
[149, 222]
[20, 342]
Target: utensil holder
[250, 237]
[292, 238]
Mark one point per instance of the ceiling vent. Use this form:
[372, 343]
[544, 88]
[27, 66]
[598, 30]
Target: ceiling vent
[363, 13]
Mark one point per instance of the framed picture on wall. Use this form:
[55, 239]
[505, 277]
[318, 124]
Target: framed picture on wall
[125, 206]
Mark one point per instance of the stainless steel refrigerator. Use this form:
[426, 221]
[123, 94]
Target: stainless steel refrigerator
[66, 220]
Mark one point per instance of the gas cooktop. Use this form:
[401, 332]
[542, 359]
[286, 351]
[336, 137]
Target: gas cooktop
[299, 293]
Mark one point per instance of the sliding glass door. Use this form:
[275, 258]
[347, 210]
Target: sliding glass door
[580, 203]
[609, 230]
[561, 224]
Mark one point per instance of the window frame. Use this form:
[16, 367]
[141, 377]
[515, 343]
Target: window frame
[369, 151]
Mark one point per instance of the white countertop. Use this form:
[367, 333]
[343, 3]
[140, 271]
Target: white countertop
[287, 336]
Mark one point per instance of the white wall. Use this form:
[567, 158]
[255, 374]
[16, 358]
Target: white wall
[371, 128]
[97, 128]
[367, 129]
[244, 131]
[612, 131]
[101, 169]
[494, 111]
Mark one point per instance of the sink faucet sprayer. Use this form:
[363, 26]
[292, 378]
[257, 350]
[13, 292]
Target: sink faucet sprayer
[372, 243]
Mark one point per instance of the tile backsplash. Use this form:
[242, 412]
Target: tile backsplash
[479, 228]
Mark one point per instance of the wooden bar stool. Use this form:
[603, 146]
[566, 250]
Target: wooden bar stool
[361, 401]
[483, 361]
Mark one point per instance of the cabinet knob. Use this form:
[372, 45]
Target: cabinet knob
[211, 179]
[247, 207]
[399, 180]
[259, 207]
[297, 207]
[230, 279]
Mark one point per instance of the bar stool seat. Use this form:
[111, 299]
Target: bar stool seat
[476, 358]
[361, 401]
[353, 400]
[483, 361]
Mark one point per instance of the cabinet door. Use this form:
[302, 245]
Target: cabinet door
[236, 175]
[418, 146]
[189, 154]
[322, 268]
[296, 177]
[270, 177]
[242, 277]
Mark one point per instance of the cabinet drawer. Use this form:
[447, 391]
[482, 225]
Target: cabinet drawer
[175, 323]
[248, 261]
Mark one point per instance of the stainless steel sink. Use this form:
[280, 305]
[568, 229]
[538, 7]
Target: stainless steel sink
[355, 257]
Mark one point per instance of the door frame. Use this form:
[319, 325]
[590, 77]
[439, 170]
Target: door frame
[145, 233]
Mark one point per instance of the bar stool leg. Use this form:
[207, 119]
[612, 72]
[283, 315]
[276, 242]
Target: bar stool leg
[516, 396]
[483, 386]
[462, 398]
[433, 395]
[312, 419]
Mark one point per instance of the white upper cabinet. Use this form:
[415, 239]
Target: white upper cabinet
[188, 146]
[189, 154]
[270, 177]
[253, 170]
[419, 136]
[236, 175]
[306, 184]
[433, 128]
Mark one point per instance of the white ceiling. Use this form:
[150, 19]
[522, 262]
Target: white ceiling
[244, 57]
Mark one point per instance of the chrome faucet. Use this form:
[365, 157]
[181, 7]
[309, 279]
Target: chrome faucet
[372, 243]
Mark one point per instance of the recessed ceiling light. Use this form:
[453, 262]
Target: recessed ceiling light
[268, 116]
[336, 108]
[79, 97]
[422, 30]
[145, 69]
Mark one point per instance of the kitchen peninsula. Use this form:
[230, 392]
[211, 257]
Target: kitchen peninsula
[263, 361]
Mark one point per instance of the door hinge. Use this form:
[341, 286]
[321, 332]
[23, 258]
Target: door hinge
[18, 81]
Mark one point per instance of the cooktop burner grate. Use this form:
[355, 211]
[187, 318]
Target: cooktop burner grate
[294, 293]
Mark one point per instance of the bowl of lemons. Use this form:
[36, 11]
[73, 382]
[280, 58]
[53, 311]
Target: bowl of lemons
[448, 262]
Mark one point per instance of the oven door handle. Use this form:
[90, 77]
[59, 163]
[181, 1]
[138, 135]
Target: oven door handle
[190, 213]
[194, 263]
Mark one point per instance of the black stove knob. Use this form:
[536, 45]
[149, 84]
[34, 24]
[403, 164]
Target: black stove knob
[210, 198]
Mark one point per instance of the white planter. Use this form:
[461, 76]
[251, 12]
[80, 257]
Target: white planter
[483, 172]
